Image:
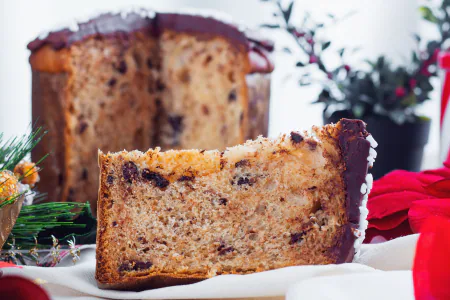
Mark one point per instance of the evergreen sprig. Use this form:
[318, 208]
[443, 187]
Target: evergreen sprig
[41, 220]
[14, 150]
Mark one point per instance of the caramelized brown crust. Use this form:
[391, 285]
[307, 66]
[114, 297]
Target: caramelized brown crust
[333, 245]
[50, 96]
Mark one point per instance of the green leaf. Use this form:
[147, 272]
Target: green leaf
[341, 52]
[287, 13]
[415, 58]
[380, 63]
[417, 37]
[358, 110]
[427, 14]
[271, 26]
[299, 64]
[287, 50]
[409, 100]
[326, 45]
[370, 63]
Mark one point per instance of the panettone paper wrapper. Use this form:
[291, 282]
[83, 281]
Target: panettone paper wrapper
[382, 271]
[8, 217]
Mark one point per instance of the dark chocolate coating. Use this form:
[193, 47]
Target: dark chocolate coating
[355, 150]
[200, 25]
[105, 25]
[344, 249]
[117, 26]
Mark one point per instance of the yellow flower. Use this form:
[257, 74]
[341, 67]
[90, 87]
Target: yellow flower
[9, 186]
[27, 172]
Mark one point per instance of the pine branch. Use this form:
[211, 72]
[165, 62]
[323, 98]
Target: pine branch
[13, 150]
[41, 220]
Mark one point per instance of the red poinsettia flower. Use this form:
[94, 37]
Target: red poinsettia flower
[431, 269]
[402, 201]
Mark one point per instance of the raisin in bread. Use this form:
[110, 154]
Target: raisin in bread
[178, 217]
[139, 80]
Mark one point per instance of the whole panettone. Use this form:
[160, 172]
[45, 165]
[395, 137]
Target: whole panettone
[139, 80]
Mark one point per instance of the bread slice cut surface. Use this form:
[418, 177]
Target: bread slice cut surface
[177, 217]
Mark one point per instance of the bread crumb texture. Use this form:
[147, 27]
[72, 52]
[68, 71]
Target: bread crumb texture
[195, 214]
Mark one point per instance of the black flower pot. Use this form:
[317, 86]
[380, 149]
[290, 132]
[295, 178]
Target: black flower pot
[399, 146]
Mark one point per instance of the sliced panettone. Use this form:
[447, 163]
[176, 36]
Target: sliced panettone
[177, 217]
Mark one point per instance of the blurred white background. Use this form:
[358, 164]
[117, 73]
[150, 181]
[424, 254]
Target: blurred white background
[378, 27]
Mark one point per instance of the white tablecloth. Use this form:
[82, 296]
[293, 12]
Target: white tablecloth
[383, 271]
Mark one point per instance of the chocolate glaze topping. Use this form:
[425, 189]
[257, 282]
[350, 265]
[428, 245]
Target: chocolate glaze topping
[105, 25]
[121, 25]
[355, 150]
[200, 25]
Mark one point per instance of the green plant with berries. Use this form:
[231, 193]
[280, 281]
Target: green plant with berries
[381, 88]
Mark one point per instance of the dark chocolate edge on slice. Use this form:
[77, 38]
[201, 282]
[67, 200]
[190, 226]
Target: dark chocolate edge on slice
[355, 150]
[115, 26]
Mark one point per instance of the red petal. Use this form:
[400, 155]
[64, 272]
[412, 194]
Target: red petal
[447, 162]
[439, 188]
[397, 181]
[401, 230]
[19, 288]
[431, 269]
[422, 210]
[389, 222]
[383, 205]
[8, 265]
[442, 172]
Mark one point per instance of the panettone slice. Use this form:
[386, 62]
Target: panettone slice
[178, 217]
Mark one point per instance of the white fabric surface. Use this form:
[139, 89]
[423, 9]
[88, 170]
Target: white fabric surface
[381, 272]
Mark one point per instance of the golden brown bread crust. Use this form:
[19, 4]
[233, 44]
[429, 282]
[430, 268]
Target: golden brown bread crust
[338, 249]
[258, 86]
[49, 94]
[50, 60]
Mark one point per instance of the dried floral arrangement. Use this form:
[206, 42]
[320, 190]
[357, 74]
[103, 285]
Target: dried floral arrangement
[383, 89]
[27, 227]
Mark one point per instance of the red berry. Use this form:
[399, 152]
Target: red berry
[412, 83]
[400, 92]
[313, 59]
[299, 34]
[347, 68]
[424, 71]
